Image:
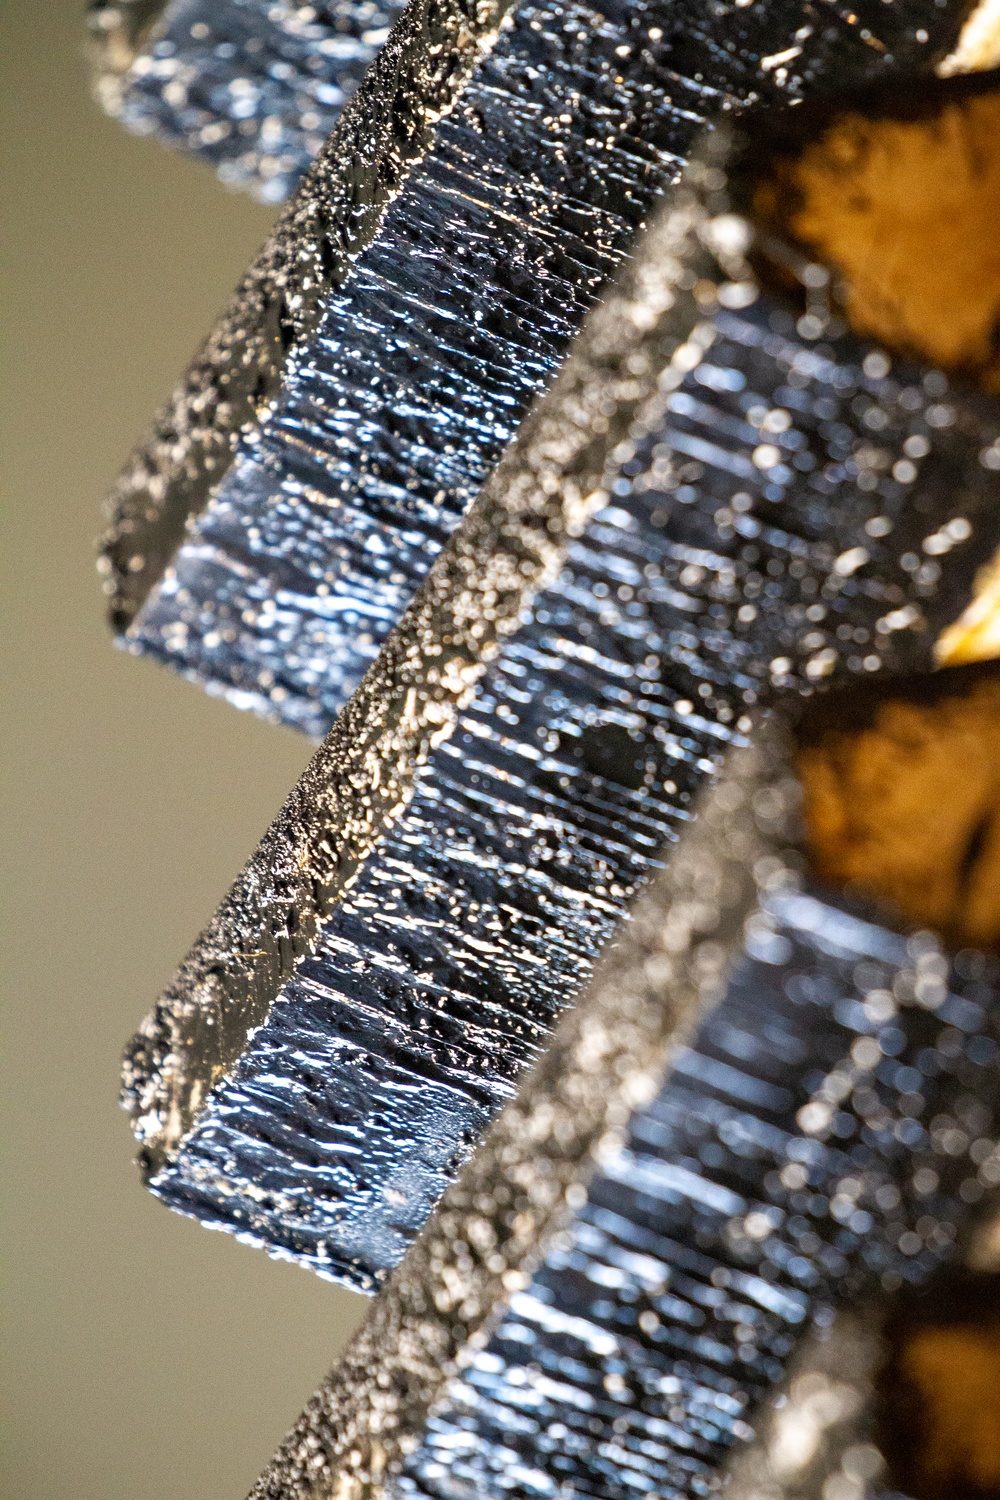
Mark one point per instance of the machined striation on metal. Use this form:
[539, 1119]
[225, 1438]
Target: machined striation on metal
[634, 578]
[475, 197]
[253, 87]
[769, 1102]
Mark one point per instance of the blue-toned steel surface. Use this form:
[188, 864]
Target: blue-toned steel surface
[477, 918]
[395, 408]
[767, 1105]
[819, 1141]
[253, 87]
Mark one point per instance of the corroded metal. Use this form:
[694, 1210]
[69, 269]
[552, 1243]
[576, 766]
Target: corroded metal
[636, 576]
[253, 87]
[770, 1101]
[478, 192]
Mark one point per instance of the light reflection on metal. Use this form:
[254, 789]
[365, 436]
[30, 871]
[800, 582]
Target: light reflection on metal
[253, 87]
[767, 1104]
[477, 194]
[814, 1441]
[585, 650]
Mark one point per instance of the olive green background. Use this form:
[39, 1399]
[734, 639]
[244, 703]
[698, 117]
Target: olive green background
[145, 1357]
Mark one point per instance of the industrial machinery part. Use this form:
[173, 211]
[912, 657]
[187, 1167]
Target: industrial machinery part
[780, 1095]
[477, 194]
[253, 87]
[723, 497]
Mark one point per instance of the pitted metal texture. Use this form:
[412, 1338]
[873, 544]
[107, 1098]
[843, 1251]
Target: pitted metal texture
[769, 1103]
[589, 644]
[473, 201]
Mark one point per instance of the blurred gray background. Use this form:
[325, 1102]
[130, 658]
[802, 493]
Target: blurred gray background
[145, 1358]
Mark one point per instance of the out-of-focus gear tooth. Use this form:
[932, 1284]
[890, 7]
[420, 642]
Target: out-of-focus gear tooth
[774, 1100]
[820, 1425]
[117, 29]
[477, 194]
[253, 87]
[722, 498]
